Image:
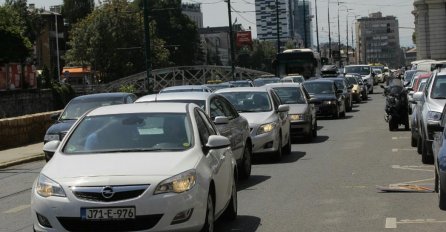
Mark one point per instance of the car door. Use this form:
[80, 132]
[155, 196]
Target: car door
[219, 161]
[216, 109]
[310, 108]
[283, 117]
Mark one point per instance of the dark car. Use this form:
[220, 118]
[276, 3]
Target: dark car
[326, 97]
[439, 151]
[77, 107]
[241, 83]
[346, 88]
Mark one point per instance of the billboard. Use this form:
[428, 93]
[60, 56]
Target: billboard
[244, 38]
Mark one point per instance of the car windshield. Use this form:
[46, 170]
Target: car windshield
[200, 103]
[319, 87]
[351, 80]
[76, 108]
[249, 101]
[363, 70]
[340, 84]
[408, 75]
[290, 95]
[439, 87]
[264, 81]
[136, 132]
[421, 86]
[241, 84]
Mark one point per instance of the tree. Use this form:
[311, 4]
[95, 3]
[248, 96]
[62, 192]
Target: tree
[75, 10]
[110, 40]
[30, 21]
[14, 45]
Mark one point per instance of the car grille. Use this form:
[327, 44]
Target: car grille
[145, 222]
[119, 192]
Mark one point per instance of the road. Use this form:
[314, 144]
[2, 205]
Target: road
[327, 185]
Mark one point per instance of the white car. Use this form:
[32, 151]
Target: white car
[137, 167]
[267, 117]
[366, 73]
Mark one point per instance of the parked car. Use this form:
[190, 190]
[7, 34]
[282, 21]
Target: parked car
[416, 110]
[346, 91]
[267, 117]
[261, 81]
[356, 88]
[439, 152]
[241, 83]
[414, 86]
[302, 114]
[326, 97]
[293, 79]
[379, 78]
[186, 88]
[76, 108]
[135, 167]
[432, 101]
[366, 73]
[235, 127]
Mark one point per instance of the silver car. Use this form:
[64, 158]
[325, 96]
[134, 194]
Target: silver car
[267, 117]
[186, 88]
[302, 114]
[432, 101]
[415, 136]
[228, 121]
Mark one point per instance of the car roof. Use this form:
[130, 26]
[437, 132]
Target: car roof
[103, 96]
[150, 107]
[326, 80]
[243, 89]
[175, 95]
[185, 87]
[357, 65]
[283, 84]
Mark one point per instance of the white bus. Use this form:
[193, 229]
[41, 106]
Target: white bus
[305, 62]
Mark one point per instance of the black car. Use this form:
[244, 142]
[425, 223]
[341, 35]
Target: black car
[346, 88]
[77, 107]
[327, 98]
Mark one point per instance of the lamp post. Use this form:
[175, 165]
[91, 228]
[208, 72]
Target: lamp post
[317, 28]
[231, 41]
[57, 46]
[329, 30]
[147, 43]
[305, 24]
[277, 27]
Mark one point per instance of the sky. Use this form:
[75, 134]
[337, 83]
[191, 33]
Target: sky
[215, 13]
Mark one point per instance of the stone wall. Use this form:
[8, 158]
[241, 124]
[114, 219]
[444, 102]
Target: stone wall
[21, 102]
[24, 130]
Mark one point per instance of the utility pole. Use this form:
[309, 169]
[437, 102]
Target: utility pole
[329, 31]
[231, 41]
[317, 28]
[277, 27]
[147, 43]
[339, 37]
[346, 28]
[305, 25]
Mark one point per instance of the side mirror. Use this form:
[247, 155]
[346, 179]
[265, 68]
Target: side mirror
[217, 142]
[55, 116]
[50, 148]
[418, 96]
[221, 120]
[283, 108]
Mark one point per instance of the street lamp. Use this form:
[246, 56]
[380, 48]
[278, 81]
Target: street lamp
[57, 45]
[231, 41]
[329, 30]
[317, 28]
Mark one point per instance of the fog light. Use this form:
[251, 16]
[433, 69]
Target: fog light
[182, 216]
[43, 221]
[268, 145]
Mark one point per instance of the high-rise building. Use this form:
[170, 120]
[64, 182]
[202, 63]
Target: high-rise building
[266, 20]
[300, 22]
[430, 17]
[378, 40]
[193, 11]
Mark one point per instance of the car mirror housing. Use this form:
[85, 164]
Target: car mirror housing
[418, 96]
[219, 120]
[51, 146]
[283, 108]
[55, 116]
[217, 142]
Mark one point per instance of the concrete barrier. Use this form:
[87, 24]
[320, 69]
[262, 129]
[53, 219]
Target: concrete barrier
[24, 130]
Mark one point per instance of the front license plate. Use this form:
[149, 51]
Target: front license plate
[115, 213]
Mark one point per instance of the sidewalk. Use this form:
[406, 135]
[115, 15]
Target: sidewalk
[21, 155]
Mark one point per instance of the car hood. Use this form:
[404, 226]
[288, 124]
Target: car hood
[65, 167]
[322, 97]
[297, 108]
[259, 118]
[60, 126]
[437, 105]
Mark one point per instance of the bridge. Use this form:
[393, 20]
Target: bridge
[181, 75]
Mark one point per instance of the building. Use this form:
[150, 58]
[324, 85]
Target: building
[266, 20]
[377, 40]
[430, 18]
[193, 11]
[301, 23]
[410, 55]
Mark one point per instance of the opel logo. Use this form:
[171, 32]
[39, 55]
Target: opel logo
[107, 192]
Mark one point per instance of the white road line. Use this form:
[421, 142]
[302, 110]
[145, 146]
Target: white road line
[395, 138]
[17, 209]
[403, 149]
[411, 168]
[390, 223]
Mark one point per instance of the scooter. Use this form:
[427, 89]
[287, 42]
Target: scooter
[397, 111]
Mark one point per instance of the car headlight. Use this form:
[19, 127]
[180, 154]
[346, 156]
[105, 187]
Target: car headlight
[433, 116]
[51, 137]
[46, 187]
[177, 184]
[265, 128]
[329, 102]
[297, 117]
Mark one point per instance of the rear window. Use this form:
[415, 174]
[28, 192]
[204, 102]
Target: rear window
[290, 95]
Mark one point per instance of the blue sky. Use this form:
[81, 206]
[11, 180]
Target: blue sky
[215, 14]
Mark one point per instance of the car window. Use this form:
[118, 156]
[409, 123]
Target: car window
[439, 87]
[276, 100]
[229, 111]
[76, 108]
[216, 108]
[319, 87]
[290, 95]
[202, 128]
[249, 101]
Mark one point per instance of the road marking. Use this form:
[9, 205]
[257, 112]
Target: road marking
[413, 168]
[17, 209]
[395, 138]
[403, 149]
[392, 223]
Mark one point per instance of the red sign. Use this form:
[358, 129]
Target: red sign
[244, 39]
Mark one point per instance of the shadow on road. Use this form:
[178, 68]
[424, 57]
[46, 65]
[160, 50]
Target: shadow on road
[253, 180]
[243, 223]
[269, 159]
[354, 111]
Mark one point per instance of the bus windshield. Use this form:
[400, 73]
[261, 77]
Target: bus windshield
[304, 63]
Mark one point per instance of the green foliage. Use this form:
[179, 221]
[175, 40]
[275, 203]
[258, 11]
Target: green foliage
[62, 94]
[127, 88]
[110, 40]
[75, 10]
[30, 21]
[260, 58]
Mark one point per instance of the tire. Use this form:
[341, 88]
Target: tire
[436, 181]
[287, 149]
[336, 114]
[371, 91]
[413, 141]
[343, 113]
[315, 129]
[441, 196]
[419, 144]
[425, 157]
[230, 212]
[392, 125]
[210, 216]
[245, 168]
[278, 155]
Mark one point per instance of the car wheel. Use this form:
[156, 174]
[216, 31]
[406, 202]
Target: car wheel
[343, 112]
[287, 150]
[278, 155]
[230, 212]
[336, 114]
[413, 141]
[315, 129]
[371, 91]
[419, 144]
[436, 181]
[245, 169]
[441, 196]
[210, 217]
[425, 157]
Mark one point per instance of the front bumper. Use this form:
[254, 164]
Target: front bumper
[266, 142]
[325, 109]
[153, 212]
[300, 128]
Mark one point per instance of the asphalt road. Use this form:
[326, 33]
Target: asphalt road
[327, 185]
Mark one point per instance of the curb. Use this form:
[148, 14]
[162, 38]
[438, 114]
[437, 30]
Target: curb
[22, 161]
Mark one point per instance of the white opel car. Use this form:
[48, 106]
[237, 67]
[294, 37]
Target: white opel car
[137, 167]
